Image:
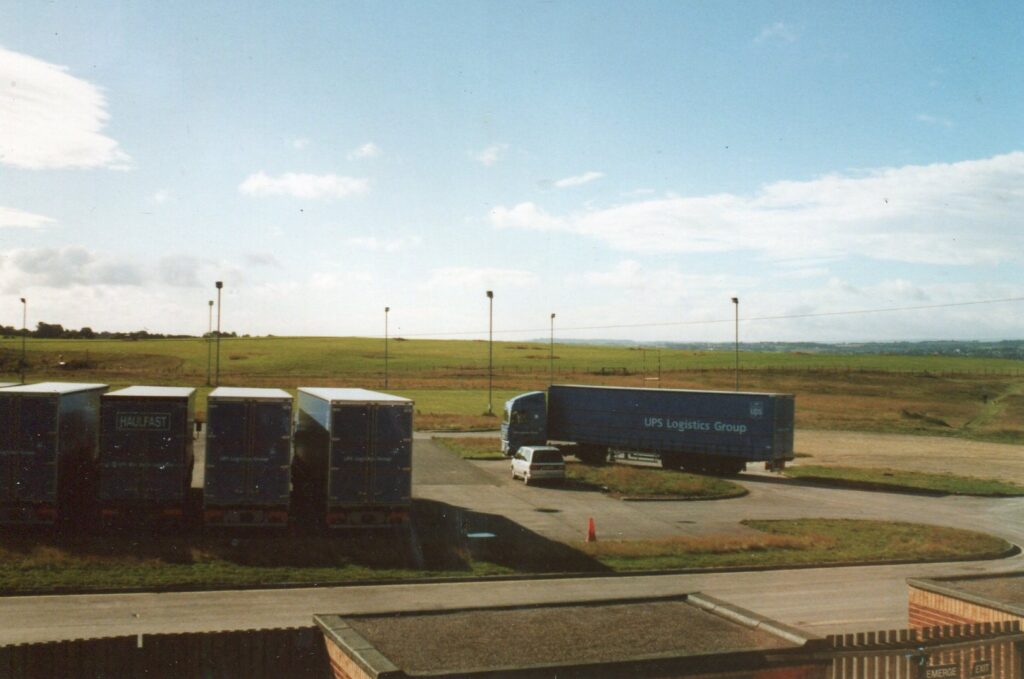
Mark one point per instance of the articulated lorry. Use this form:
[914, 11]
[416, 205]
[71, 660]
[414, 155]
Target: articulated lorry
[48, 444]
[248, 457]
[353, 456]
[146, 458]
[706, 431]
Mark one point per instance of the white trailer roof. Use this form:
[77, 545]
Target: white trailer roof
[152, 392]
[337, 395]
[54, 388]
[250, 393]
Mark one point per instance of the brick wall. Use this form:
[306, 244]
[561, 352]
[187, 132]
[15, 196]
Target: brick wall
[930, 609]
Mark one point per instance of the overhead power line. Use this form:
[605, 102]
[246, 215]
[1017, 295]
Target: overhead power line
[674, 324]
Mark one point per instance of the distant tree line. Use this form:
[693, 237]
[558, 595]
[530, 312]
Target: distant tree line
[58, 331]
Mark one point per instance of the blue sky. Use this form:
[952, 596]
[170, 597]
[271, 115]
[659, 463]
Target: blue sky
[615, 163]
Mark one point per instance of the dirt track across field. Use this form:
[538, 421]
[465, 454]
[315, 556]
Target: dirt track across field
[912, 453]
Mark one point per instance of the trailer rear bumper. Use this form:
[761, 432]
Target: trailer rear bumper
[271, 517]
[367, 517]
[138, 513]
[38, 514]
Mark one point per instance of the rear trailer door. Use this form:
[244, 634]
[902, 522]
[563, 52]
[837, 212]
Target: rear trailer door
[28, 448]
[145, 450]
[248, 453]
[391, 478]
[351, 461]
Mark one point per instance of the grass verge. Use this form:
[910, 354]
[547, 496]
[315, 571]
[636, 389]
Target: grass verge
[904, 480]
[472, 447]
[645, 482]
[799, 542]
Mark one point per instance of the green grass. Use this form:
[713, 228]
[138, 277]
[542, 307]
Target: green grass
[629, 481]
[472, 448]
[895, 479]
[800, 542]
[977, 398]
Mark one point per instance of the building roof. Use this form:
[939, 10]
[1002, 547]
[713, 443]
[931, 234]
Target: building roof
[151, 392]
[249, 393]
[443, 642]
[54, 388]
[1003, 592]
[337, 395]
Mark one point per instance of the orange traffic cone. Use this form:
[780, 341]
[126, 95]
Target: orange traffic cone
[591, 531]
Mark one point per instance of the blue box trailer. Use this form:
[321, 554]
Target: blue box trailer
[146, 454]
[48, 445]
[353, 455]
[248, 461]
[709, 431]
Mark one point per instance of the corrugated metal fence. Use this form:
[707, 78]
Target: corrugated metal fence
[255, 654]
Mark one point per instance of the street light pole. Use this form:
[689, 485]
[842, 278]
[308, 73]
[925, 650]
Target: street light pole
[490, 350]
[220, 285]
[736, 304]
[24, 334]
[386, 310]
[209, 343]
[552, 350]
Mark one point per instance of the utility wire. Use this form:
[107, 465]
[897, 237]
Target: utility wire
[671, 324]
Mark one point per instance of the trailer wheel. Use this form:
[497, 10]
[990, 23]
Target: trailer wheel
[671, 461]
[591, 454]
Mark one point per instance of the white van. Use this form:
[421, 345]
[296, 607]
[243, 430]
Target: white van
[538, 463]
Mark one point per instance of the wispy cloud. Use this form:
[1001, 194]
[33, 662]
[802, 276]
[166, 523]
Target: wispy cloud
[579, 180]
[367, 150]
[933, 120]
[11, 217]
[300, 143]
[161, 196]
[490, 155]
[68, 266]
[777, 32]
[303, 185]
[52, 119]
[484, 278]
[385, 244]
[949, 213]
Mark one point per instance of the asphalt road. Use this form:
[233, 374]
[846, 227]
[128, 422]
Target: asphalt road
[820, 600]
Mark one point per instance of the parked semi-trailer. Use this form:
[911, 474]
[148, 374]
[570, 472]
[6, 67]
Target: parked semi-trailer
[48, 445]
[248, 457]
[145, 462]
[711, 431]
[353, 455]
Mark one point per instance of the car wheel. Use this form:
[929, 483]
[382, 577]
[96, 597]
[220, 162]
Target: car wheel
[526, 480]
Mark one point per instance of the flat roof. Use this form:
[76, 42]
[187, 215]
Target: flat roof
[336, 395]
[54, 388]
[1004, 592]
[152, 392]
[690, 391]
[8, 384]
[253, 393]
[550, 635]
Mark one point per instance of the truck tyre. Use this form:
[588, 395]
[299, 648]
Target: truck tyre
[593, 455]
[671, 461]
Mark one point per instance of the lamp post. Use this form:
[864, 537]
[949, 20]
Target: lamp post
[736, 304]
[209, 343]
[220, 285]
[490, 350]
[24, 334]
[386, 310]
[551, 352]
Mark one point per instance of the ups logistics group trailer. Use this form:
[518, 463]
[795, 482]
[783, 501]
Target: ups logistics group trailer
[353, 451]
[48, 446]
[146, 458]
[248, 457]
[709, 431]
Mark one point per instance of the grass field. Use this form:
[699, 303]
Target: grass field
[975, 398]
[804, 541]
[473, 447]
[904, 480]
[645, 482]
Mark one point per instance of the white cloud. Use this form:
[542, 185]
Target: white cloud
[490, 155]
[161, 196]
[374, 244]
[947, 213]
[300, 143]
[65, 267]
[777, 32]
[470, 278]
[10, 216]
[52, 119]
[579, 180]
[367, 150]
[303, 185]
[933, 120]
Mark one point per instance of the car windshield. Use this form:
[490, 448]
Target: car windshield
[547, 456]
